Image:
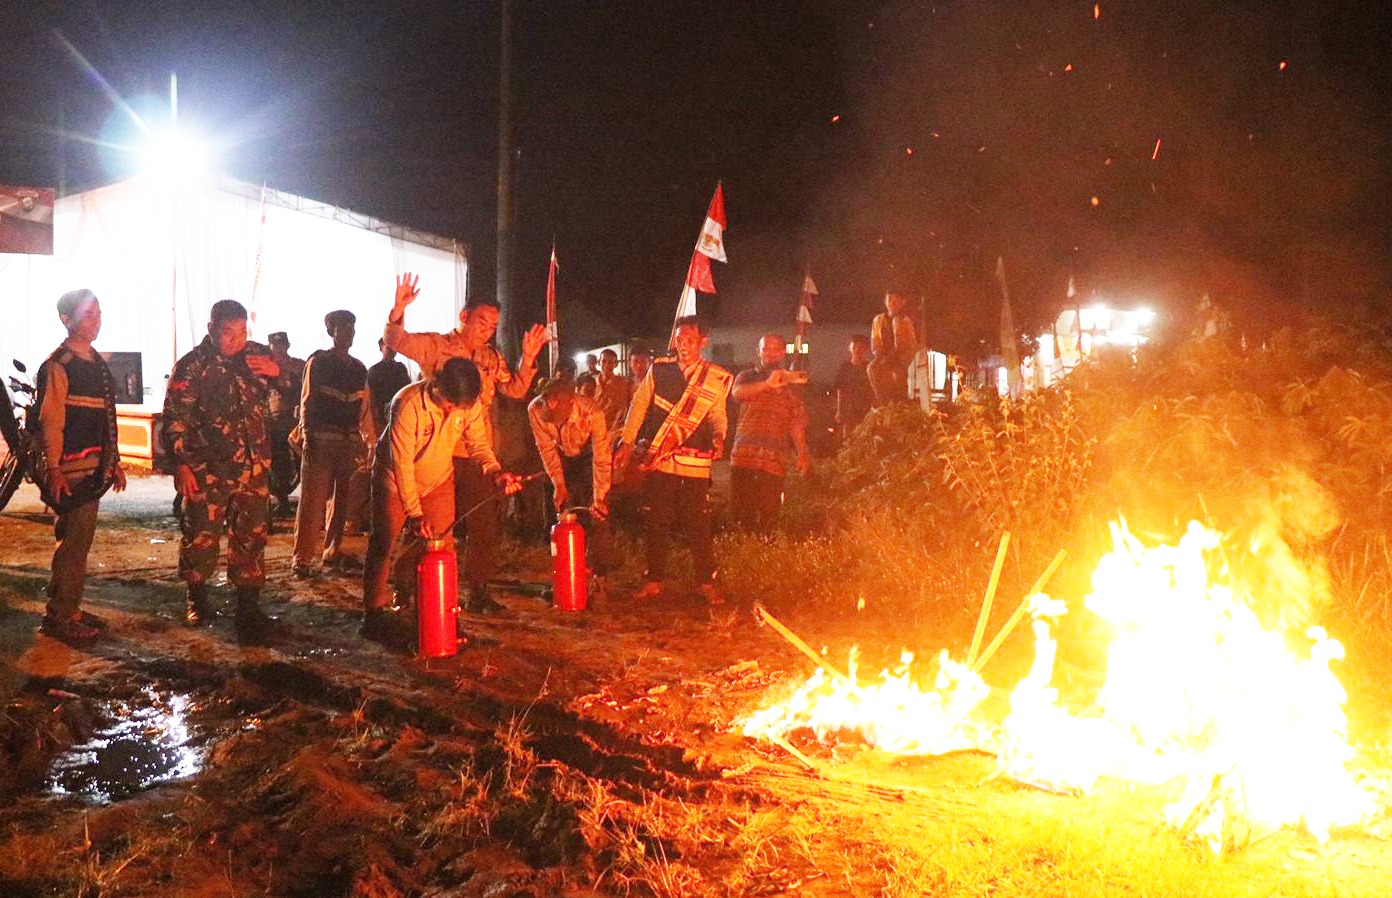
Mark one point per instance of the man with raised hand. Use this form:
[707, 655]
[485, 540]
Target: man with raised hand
[676, 427]
[471, 340]
[215, 433]
[76, 405]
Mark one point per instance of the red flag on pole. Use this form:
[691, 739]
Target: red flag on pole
[710, 244]
[805, 302]
[552, 332]
[804, 318]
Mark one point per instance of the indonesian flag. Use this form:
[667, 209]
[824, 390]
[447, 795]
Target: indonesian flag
[809, 296]
[552, 333]
[710, 244]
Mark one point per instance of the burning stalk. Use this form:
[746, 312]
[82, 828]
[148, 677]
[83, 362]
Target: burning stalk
[1020, 612]
[796, 642]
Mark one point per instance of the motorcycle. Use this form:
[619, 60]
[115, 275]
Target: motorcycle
[17, 451]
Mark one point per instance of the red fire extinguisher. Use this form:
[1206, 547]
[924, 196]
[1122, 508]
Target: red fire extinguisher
[437, 601]
[570, 575]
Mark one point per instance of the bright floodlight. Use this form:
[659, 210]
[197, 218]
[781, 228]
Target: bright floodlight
[175, 153]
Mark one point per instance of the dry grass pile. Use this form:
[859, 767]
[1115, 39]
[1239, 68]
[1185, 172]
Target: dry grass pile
[1286, 448]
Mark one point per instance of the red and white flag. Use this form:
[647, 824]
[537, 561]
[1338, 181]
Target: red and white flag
[710, 244]
[809, 296]
[552, 332]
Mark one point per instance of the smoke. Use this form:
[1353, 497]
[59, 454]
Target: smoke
[1261, 191]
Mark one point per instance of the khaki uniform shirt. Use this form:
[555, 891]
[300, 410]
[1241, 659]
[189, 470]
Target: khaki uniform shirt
[585, 424]
[419, 446]
[431, 351]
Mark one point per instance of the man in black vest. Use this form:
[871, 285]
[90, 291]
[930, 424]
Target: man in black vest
[336, 427]
[77, 426]
[676, 427]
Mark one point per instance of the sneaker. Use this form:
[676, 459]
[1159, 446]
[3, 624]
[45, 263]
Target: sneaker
[712, 595]
[305, 572]
[390, 627]
[651, 589]
[69, 630]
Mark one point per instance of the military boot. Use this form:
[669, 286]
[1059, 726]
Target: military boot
[254, 626]
[197, 611]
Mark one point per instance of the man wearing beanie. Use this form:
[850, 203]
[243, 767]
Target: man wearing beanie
[215, 435]
[77, 441]
[336, 427]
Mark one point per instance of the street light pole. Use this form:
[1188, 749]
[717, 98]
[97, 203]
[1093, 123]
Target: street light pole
[506, 215]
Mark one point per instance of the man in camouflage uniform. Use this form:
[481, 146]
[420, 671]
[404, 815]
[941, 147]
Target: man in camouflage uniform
[215, 433]
[284, 404]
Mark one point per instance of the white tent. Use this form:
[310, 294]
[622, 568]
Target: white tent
[158, 254]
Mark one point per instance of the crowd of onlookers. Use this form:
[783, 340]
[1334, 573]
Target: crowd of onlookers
[414, 461]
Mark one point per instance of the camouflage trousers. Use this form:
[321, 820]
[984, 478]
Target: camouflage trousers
[241, 507]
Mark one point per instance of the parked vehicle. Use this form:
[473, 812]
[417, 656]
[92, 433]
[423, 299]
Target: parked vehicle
[16, 451]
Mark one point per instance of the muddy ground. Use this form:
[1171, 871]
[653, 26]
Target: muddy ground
[556, 755]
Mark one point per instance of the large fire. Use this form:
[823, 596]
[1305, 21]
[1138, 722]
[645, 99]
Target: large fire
[1244, 724]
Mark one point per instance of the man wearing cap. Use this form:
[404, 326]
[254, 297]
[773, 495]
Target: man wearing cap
[77, 443]
[573, 441]
[285, 405]
[477, 323]
[336, 427]
[215, 433]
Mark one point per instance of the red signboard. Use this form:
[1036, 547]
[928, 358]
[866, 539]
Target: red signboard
[26, 220]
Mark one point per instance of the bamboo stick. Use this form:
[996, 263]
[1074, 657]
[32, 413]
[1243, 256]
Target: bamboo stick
[985, 614]
[1020, 612]
[762, 614]
[790, 749]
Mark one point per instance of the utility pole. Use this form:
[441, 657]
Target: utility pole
[507, 314]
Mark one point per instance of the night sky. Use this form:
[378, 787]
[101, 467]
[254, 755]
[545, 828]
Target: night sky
[880, 145]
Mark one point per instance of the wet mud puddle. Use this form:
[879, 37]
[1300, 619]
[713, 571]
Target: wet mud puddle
[135, 744]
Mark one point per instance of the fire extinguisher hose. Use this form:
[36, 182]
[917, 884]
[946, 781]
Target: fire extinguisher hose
[487, 499]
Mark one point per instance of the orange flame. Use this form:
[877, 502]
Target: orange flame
[1240, 724]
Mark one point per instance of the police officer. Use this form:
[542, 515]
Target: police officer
[215, 433]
